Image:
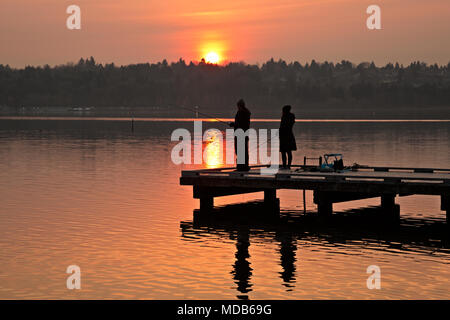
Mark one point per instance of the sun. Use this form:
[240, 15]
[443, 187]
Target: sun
[212, 57]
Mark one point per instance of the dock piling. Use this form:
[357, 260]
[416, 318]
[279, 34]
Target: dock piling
[391, 211]
[388, 201]
[271, 202]
[270, 196]
[325, 207]
[445, 206]
[206, 203]
[324, 203]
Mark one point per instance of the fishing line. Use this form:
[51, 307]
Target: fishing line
[206, 115]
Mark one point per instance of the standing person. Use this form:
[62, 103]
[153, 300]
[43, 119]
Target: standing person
[242, 121]
[287, 138]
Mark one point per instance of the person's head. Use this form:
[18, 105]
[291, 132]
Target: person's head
[286, 109]
[241, 104]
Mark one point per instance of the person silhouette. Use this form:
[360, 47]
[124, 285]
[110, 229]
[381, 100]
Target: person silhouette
[287, 138]
[241, 121]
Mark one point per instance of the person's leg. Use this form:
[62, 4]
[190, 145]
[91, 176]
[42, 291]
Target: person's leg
[283, 159]
[238, 166]
[246, 166]
[289, 153]
[241, 166]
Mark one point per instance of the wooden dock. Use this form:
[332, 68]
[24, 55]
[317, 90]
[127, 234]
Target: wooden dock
[328, 187]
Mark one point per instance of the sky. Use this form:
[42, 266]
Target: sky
[34, 32]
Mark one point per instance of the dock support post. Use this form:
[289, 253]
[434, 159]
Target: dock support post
[304, 201]
[271, 202]
[325, 207]
[270, 196]
[304, 191]
[324, 203]
[206, 203]
[445, 206]
[388, 201]
[390, 210]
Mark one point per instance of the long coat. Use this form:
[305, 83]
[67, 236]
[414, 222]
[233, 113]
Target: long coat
[287, 138]
[242, 121]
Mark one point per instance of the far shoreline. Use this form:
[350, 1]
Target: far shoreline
[187, 119]
[304, 112]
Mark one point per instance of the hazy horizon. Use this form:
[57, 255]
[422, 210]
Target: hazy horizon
[137, 31]
[196, 62]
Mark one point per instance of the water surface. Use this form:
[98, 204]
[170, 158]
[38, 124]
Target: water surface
[94, 194]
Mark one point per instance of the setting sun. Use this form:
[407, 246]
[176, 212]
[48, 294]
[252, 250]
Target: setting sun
[212, 57]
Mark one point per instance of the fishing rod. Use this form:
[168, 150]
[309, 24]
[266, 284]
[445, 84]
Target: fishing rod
[206, 115]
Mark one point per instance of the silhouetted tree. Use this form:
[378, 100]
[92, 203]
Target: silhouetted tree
[268, 86]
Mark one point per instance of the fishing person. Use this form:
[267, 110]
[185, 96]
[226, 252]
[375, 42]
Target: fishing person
[241, 121]
[287, 138]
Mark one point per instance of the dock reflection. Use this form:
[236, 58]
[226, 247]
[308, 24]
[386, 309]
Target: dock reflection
[365, 227]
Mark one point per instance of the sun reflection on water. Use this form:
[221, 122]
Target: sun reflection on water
[213, 149]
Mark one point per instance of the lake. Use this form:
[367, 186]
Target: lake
[92, 193]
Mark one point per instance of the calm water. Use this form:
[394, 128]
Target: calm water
[94, 194]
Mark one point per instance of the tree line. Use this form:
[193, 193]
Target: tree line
[165, 85]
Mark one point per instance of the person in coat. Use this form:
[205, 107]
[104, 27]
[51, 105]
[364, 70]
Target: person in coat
[242, 121]
[287, 138]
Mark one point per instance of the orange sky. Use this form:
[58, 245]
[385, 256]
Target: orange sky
[132, 31]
